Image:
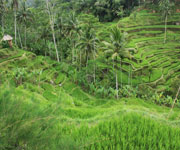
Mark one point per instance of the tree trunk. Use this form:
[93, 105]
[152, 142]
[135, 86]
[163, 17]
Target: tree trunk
[94, 72]
[2, 23]
[94, 69]
[80, 60]
[129, 81]
[2, 15]
[165, 32]
[15, 26]
[87, 58]
[59, 42]
[131, 76]
[141, 76]
[73, 53]
[25, 35]
[55, 45]
[76, 55]
[87, 55]
[94, 64]
[20, 38]
[45, 46]
[51, 18]
[117, 88]
[121, 71]
[175, 99]
[139, 3]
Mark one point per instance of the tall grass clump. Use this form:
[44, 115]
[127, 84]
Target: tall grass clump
[27, 126]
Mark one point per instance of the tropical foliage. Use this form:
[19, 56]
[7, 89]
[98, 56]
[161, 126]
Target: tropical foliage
[89, 74]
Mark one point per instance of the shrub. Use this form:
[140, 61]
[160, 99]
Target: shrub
[5, 44]
[19, 75]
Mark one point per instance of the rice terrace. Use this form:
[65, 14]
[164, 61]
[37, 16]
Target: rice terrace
[89, 75]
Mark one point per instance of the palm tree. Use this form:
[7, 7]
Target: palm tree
[15, 6]
[87, 43]
[129, 76]
[50, 9]
[24, 16]
[68, 28]
[116, 47]
[131, 52]
[73, 27]
[88, 46]
[73, 22]
[166, 8]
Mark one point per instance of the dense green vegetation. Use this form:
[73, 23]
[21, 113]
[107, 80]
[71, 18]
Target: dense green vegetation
[45, 115]
[90, 75]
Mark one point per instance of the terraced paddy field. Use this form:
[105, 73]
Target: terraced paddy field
[154, 62]
[42, 109]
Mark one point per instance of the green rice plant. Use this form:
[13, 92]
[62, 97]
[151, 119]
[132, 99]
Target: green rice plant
[132, 131]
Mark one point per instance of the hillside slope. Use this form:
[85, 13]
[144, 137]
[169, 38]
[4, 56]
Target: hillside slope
[41, 108]
[154, 63]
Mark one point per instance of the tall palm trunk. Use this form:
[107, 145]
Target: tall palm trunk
[25, 36]
[73, 53]
[117, 86]
[15, 26]
[2, 15]
[117, 90]
[45, 46]
[20, 37]
[94, 70]
[51, 18]
[129, 76]
[139, 3]
[54, 39]
[165, 32]
[175, 98]
[141, 75]
[87, 57]
[80, 60]
[2, 23]
[121, 71]
[94, 64]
